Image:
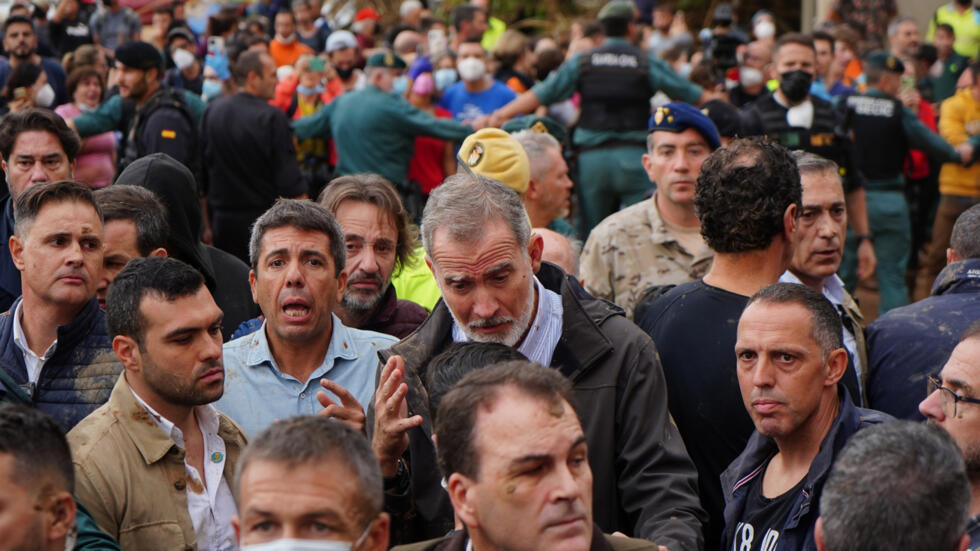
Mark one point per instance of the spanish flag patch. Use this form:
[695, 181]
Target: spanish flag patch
[169, 134]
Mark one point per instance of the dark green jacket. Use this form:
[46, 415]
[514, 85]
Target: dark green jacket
[375, 131]
[600, 542]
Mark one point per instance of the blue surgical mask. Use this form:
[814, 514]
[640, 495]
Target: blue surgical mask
[444, 78]
[211, 89]
[399, 85]
[306, 90]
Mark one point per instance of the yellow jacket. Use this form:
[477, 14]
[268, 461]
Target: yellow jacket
[959, 120]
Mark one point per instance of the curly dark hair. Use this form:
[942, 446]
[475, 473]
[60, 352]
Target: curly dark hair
[742, 193]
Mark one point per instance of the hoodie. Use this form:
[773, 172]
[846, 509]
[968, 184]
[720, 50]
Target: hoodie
[225, 275]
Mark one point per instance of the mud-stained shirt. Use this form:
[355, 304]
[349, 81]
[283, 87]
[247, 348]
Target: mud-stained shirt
[633, 250]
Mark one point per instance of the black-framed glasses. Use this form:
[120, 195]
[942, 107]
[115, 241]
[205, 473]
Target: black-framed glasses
[947, 395]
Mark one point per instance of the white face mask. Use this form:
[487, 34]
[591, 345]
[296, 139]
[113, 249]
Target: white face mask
[299, 545]
[749, 76]
[764, 29]
[182, 58]
[471, 69]
[308, 545]
[44, 96]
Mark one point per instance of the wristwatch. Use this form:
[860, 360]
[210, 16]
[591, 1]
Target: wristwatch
[398, 483]
[864, 237]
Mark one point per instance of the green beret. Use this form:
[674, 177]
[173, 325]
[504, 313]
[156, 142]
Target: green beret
[387, 60]
[886, 61]
[617, 9]
[543, 125]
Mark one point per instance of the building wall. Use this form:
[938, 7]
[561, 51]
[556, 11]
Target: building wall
[815, 11]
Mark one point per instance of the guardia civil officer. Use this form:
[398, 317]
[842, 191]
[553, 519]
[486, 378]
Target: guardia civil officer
[884, 130]
[374, 128]
[797, 120]
[616, 81]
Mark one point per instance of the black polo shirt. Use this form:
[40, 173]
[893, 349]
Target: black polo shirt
[249, 157]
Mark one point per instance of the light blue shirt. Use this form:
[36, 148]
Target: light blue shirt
[257, 393]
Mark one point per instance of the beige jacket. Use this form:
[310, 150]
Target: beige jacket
[631, 251]
[130, 475]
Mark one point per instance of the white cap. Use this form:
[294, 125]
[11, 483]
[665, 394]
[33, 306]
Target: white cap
[338, 40]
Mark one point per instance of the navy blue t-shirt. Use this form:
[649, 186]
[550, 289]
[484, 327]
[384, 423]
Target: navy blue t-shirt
[694, 327]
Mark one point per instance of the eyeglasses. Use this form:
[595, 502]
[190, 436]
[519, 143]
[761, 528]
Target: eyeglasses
[946, 396]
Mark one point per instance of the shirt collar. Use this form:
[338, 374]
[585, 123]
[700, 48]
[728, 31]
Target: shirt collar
[659, 233]
[544, 331]
[341, 346]
[832, 290]
[21, 340]
[207, 419]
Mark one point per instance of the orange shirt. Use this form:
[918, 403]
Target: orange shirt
[287, 54]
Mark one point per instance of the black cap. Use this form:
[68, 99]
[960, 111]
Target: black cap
[886, 61]
[723, 12]
[139, 55]
[725, 116]
[182, 32]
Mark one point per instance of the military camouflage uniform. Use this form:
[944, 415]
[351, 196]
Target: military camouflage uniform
[633, 250]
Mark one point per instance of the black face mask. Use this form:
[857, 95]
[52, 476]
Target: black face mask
[795, 84]
[345, 73]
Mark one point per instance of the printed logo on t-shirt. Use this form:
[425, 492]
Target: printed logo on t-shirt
[745, 539]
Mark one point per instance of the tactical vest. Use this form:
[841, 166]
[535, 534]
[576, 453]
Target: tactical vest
[879, 138]
[823, 137]
[615, 88]
[134, 121]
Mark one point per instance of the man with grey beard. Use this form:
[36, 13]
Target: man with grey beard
[379, 238]
[495, 287]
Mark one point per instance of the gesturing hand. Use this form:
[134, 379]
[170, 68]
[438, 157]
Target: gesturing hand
[349, 410]
[391, 421]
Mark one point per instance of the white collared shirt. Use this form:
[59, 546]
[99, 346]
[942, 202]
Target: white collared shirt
[833, 290]
[32, 361]
[545, 331]
[210, 507]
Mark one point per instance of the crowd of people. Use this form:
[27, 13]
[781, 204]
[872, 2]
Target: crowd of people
[296, 282]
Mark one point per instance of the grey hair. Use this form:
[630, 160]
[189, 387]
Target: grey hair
[811, 163]
[303, 215]
[826, 328]
[408, 6]
[896, 485]
[312, 440]
[536, 144]
[965, 239]
[898, 20]
[465, 203]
